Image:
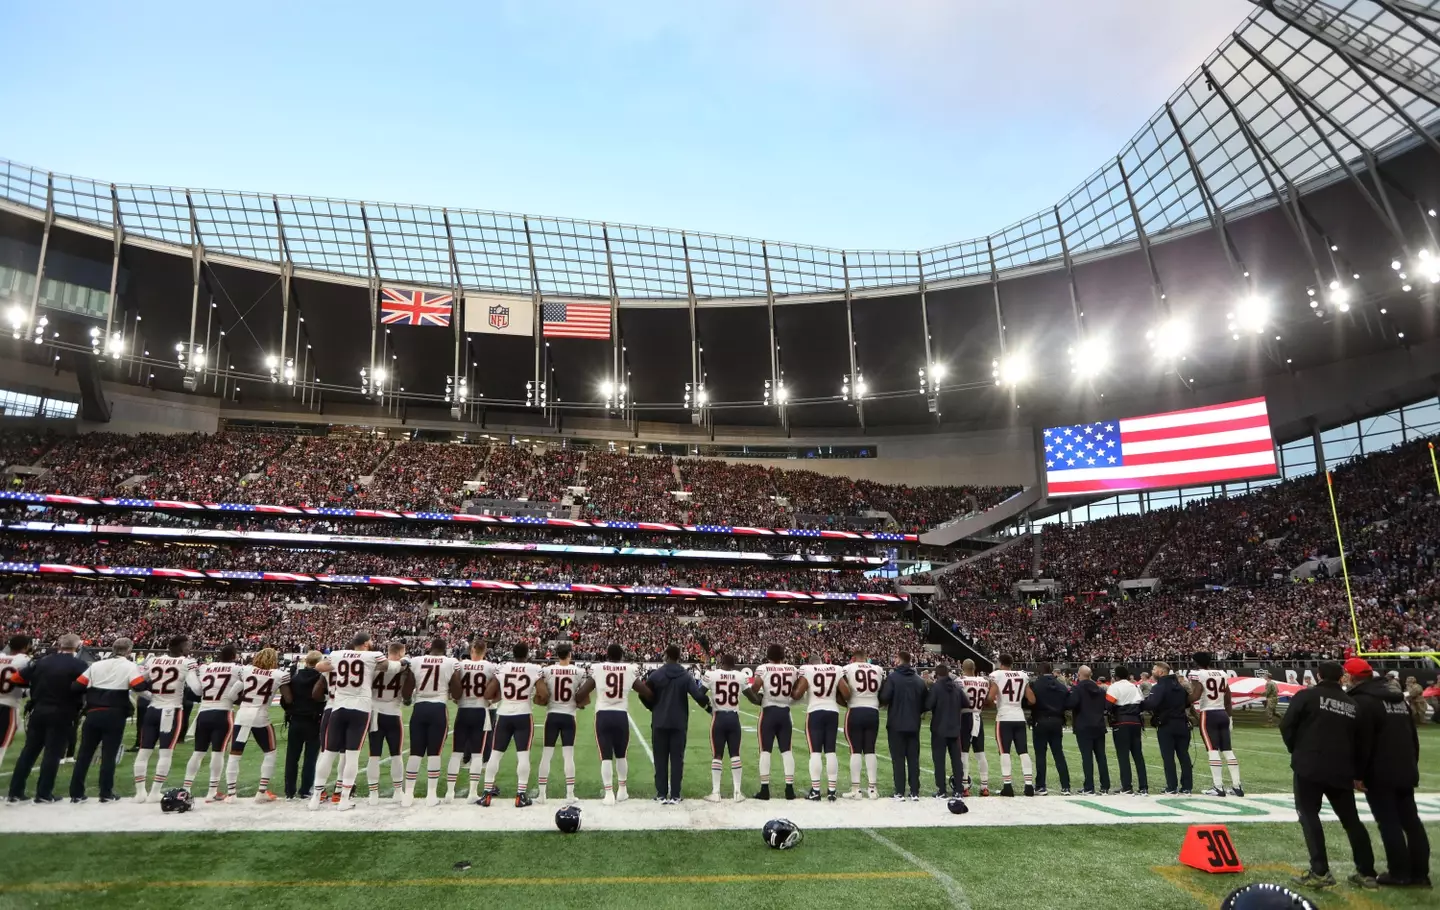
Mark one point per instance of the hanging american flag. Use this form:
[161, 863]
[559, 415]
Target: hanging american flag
[576, 320]
[1214, 444]
[406, 307]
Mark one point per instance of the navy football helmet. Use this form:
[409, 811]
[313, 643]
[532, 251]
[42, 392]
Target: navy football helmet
[568, 819]
[957, 806]
[782, 834]
[177, 800]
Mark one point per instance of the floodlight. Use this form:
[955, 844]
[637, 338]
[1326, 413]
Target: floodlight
[937, 371]
[1090, 357]
[272, 361]
[781, 393]
[1170, 340]
[1340, 297]
[380, 375]
[1013, 369]
[1251, 315]
[607, 388]
[94, 331]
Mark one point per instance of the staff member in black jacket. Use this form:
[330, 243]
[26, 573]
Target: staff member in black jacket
[1087, 707]
[672, 684]
[947, 703]
[1320, 730]
[302, 716]
[56, 705]
[1048, 717]
[107, 685]
[1389, 766]
[1167, 703]
[903, 692]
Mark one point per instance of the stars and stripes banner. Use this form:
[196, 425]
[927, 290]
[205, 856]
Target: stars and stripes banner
[1216, 444]
[399, 306]
[575, 320]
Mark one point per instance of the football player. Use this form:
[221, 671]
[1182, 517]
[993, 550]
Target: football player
[612, 681]
[471, 714]
[972, 737]
[771, 689]
[353, 673]
[1010, 692]
[391, 689]
[162, 722]
[725, 685]
[564, 679]
[432, 682]
[12, 687]
[818, 683]
[258, 684]
[860, 688]
[517, 684]
[1211, 690]
[218, 684]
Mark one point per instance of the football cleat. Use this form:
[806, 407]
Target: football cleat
[1142, 792]
[831, 795]
[1039, 791]
[621, 795]
[914, 797]
[1064, 791]
[1007, 790]
[713, 798]
[1104, 791]
[217, 797]
[373, 797]
[789, 791]
[898, 797]
[407, 799]
[764, 792]
[109, 798]
[485, 799]
[854, 793]
[965, 793]
[1237, 791]
[872, 793]
[738, 797]
[431, 801]
[141, 794]
[1029, 789]
[814, 795]
[79, 799]
[522, 800]
[335, 796]
[230, 798]
[938, 794]
[346, 804]
[984, 790]
[1126, 791]
[540, 797]
[265, 796]
[1213, 791]
[608, 800]
[314, 803]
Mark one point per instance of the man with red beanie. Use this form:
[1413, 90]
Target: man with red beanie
[1388, 762]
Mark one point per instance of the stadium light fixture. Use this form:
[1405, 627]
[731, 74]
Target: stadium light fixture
[1170, 340]
[1090, 357]
[1013, 369]
[17, 319]
[1251, 316]
[607, 389]
[1427, 266]
[1339, 297]
[380, 376]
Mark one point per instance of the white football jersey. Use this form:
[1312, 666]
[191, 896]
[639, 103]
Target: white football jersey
[11, 691]
[977, 689]
[725, 687]
[1010, 703]
[352, 677]
[613, 683]
[432, 677]
[387, 693]
[776, 682]
[257, 687]
[864, 682]
[517, 686]
[474, 675]
[219, 685]
[167, 679]
[1212, 689]
[564, 682]
[824, 681]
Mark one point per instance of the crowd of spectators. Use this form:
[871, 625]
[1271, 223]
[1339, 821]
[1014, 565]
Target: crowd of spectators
[1098, 555]
[722, 493]
[208, 468]
[316, 471]
[421, 477]
[536, 475]
[630, 487]
[23, 447]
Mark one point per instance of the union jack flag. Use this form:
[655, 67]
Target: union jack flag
[405, 307]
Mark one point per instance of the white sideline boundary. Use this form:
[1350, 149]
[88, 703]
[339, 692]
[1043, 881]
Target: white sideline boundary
[645, 815]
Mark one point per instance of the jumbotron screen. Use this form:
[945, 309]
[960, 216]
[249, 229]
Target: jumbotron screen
[1215, 444]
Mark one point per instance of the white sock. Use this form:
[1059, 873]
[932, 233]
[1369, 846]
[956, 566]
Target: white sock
[787, 761]
[267, 768]
[814, 770]
[764, 769]
[142, 760]
[192, 768]
[397, 773]
[323, 764]
[856, 759]
[832, 769]
[452, 770]
[1234, 765]
[162, 765]
[964, 771]
[1217, 772]
[352, 770]
[567, 755]
[432, 775]
[984, 761]
[546, 753]
[232, 774]
[716, 766]
[605, 775]
[522, 772]
[622, 772]
[1005, 768]
[1026, 768]
[412, 773]
[372, 774]
[872, 767]
[736, 773]
[492, 768]
[217, 765]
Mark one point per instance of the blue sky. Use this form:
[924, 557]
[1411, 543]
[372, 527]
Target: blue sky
[880, 124]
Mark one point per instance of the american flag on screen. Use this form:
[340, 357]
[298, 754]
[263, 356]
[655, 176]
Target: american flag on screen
[406, 307]
[575, 320]
[1215, 444]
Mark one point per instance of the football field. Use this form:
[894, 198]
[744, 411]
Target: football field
[1043, 852]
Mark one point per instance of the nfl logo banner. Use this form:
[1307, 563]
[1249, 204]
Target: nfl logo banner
[498, 314]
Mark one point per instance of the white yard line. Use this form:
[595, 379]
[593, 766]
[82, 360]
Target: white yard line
[641, 736]
[958, 898]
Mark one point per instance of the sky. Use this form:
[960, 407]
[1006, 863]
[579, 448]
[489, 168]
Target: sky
[864, 124]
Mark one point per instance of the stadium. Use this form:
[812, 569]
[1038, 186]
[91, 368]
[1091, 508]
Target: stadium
[281, 424]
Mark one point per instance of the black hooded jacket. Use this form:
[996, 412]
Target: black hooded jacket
[1322, 732]
[672, 684]
[903, 694]
[1389, 756]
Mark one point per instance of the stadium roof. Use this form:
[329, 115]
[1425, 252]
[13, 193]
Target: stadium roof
[1305, 94]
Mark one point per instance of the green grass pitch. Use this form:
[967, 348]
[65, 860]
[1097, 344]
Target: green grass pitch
[1031, 867]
